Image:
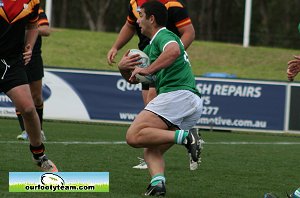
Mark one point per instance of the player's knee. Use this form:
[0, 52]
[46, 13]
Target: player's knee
[132, 138]
[28, 112]
[37, 99]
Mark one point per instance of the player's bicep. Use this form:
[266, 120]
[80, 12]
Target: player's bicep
[172, 49]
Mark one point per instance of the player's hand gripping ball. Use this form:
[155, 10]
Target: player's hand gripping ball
[145, 62]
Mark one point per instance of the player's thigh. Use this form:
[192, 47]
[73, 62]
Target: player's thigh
[146, 119]
[190, 121]
[12, 77]
[21, 97]
[176, 106]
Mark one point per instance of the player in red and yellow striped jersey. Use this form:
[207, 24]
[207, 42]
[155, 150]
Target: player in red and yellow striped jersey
[16, 17]
[35, 73]
[179, 22]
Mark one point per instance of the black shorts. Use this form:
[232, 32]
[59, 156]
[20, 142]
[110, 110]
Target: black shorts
[12, 73]
[147, 86]
[35, 69]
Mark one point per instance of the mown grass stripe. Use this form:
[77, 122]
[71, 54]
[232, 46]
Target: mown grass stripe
[123, 142]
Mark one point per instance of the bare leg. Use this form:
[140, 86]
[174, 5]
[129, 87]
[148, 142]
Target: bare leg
[155, 160]
[151, 94]
[149, 131]
[22, 100]
[36, 92]
[145, 96]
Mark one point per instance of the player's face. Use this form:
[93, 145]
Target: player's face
[144, 23]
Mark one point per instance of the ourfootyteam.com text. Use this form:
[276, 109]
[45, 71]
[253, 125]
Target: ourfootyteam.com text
[59, 187]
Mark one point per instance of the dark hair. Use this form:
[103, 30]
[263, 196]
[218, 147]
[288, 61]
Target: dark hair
[158, 10]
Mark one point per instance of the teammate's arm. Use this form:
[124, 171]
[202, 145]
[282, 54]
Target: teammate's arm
[44, 30]
[126, 33]
[43, 24]
[179, 14]
[187, 35]
[30, 38]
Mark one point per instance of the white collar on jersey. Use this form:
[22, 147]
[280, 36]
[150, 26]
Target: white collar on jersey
[163, 28]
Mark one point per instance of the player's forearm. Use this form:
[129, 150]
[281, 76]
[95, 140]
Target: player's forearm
[187, 35]
[31, 34]
[187, 40]
[166, 58]
[125, 35]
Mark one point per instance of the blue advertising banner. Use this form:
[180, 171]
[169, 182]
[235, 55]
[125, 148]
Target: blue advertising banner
[242, 104]
[106, 96]
[82, 95]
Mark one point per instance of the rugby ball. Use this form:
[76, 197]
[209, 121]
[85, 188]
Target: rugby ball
[145, 62]
[52, 179]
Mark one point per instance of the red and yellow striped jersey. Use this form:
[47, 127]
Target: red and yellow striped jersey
[42, 20]
[177, 17]
[14, 16]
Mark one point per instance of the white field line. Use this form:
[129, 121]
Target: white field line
[123, 142]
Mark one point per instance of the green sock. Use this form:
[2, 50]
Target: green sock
[180, 136]
[156, 179]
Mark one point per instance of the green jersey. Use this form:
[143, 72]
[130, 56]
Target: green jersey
[177, 76]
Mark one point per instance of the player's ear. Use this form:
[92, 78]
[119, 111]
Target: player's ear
[152, 18]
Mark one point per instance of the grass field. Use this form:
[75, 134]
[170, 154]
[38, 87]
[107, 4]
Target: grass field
[234, 164]
[86, 49]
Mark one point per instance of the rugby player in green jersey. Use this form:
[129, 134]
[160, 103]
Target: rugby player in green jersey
[178, 22]
[169, 118]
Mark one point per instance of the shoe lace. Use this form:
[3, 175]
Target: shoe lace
[141, 160]
[46, 165]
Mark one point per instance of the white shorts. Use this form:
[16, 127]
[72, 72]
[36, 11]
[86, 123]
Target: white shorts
[182, 108]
